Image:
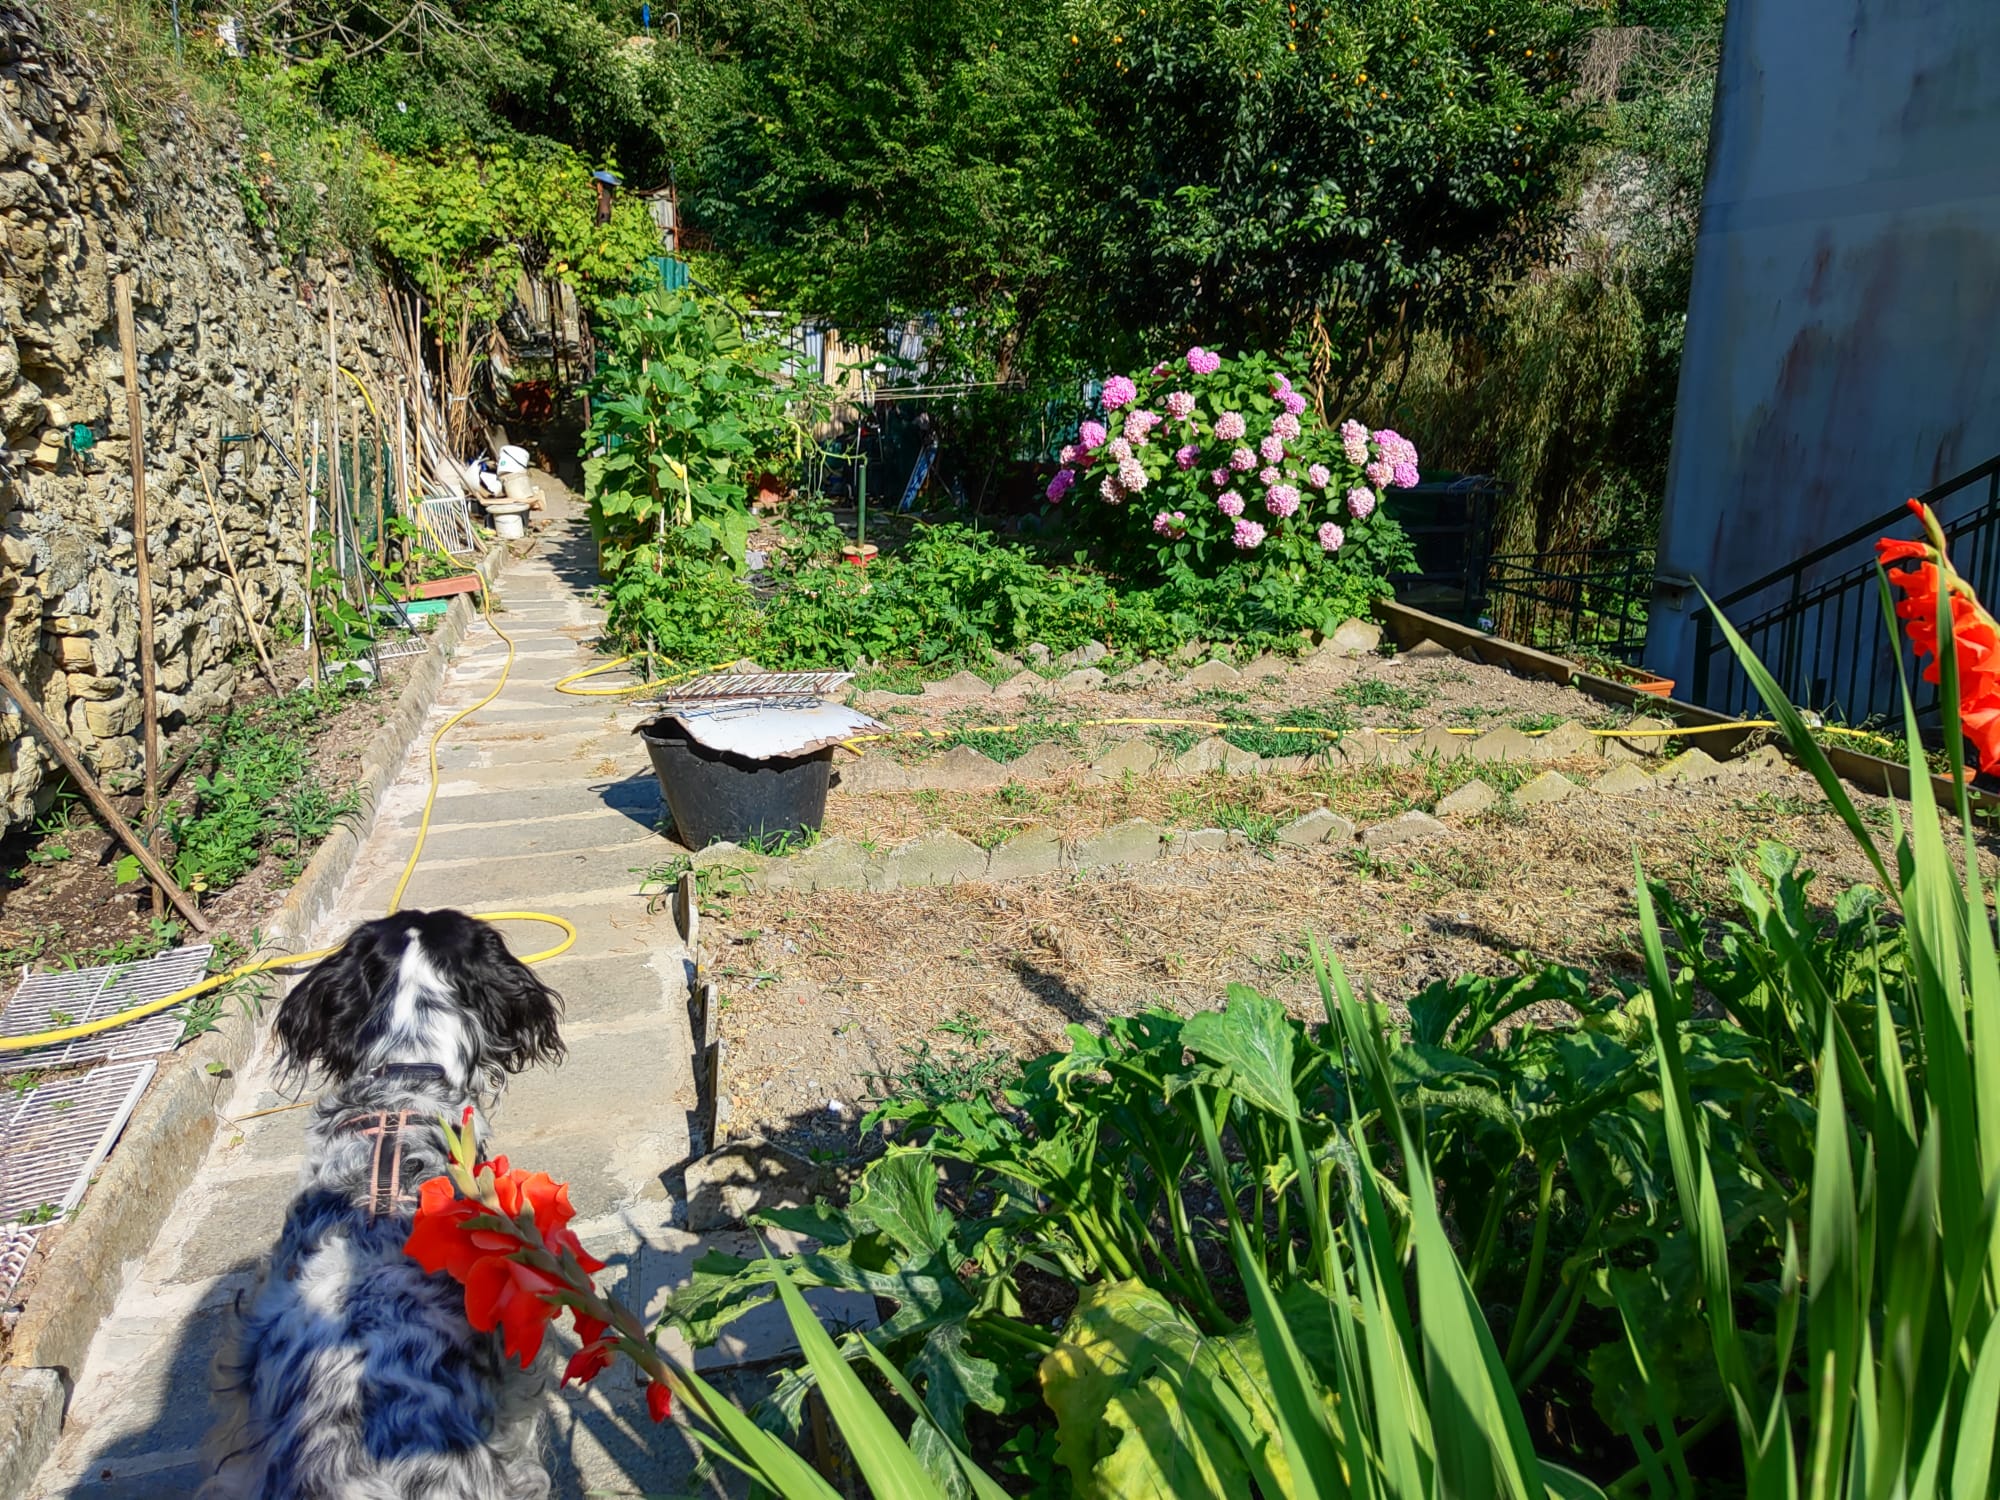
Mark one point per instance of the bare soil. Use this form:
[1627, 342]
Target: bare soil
[827, 996]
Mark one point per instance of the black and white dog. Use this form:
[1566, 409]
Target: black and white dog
[355, 1376]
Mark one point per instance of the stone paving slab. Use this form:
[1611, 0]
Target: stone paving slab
[569, 834]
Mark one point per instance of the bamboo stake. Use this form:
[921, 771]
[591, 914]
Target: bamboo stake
[123, 831]
[306, 519]
[236, 581]
[135, 433]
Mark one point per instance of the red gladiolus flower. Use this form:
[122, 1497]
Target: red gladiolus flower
[594, 1358]
[659, 1401]
[502, 1293]
[500, 1290]
[1975, 634]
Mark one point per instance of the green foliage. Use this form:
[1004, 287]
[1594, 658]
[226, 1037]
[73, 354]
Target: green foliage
[948, 599]
[684, 414]
[463, 222]
[262, 797]
[1250, 172]
[1089, 179]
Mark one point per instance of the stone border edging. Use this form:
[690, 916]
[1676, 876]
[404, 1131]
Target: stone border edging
[942, 857]
[170, 1132]
[1871, 773]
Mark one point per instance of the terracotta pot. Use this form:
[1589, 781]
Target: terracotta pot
[444, 588]
[1646, 682]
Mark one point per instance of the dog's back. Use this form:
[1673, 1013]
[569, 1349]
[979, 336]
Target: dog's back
[355, 1376]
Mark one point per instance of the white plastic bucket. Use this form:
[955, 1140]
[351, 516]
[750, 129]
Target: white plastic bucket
[513, 460]
[517, 485]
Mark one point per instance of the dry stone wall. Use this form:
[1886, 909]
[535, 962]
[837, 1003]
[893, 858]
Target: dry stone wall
[230, 337]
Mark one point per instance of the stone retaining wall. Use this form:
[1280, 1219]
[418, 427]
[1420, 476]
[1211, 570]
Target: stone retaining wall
[230, 336]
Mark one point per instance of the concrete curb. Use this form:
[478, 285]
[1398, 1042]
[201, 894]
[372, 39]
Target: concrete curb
[170, 1132]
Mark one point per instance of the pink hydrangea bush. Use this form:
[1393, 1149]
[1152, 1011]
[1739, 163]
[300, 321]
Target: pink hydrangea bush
[1202, 424]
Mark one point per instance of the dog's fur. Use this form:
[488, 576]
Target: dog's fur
[354, 1375]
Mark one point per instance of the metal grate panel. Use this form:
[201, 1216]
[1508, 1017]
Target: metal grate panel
[56, 1137]
[91, 994]
[449, 521]
[754, 687]
[17, 1243]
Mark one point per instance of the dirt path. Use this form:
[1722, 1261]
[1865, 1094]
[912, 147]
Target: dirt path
[542, 804]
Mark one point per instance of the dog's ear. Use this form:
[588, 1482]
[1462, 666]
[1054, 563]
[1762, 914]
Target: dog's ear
[516, 1011]
[323, 1022]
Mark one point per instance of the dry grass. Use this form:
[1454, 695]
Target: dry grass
[828, 990]
[1254, 805]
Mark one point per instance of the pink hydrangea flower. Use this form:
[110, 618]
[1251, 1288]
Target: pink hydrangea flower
[1180, 405]
[1230, 426]
[1272, 447]
[1229, 503]
[1282, 500]
[1380, 472]
[1320, 475]
[1119, 391]
[1331, 537]
[1396, 448]
[1120, 450]
[1139, 424]
[1186, 456]
[1361, 502]
[1202, 361]
[1218, 477]
[1248, 534]
[1404, 477]
[1112, 490]
[1284, 384]
[1160, 369]
[1068, 454]
[1285, 425]
[1060, 485]
[1090, 436]
[1131, 475]
[1292, 402]
[1269, 475]
[1354, 441]
[1242, 460]
[1171, 523]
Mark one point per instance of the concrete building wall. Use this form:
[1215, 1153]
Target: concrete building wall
[1843, 342]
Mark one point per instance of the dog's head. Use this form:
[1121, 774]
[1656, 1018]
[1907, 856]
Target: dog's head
[434, 987]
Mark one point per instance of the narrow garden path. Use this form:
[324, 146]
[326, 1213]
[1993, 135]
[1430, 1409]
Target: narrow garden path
[543, 803]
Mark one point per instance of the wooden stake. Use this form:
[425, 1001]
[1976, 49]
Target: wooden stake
[123, 831]
[236, 581]
[135, 441]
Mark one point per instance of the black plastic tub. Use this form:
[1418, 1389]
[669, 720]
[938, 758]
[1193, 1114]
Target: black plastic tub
[715, 795]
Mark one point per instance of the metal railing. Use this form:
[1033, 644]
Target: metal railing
[1592, 598]
[1824, 639]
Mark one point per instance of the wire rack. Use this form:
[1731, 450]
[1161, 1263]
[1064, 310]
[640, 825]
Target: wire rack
[746, 688]
[448, 519]
[17, 1243]
[69, 997]
[57, 1136]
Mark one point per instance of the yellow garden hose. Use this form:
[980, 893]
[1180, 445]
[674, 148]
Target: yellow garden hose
[293, 960]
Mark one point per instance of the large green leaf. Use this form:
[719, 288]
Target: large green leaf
[1134, 1389]
[1253, 1038]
